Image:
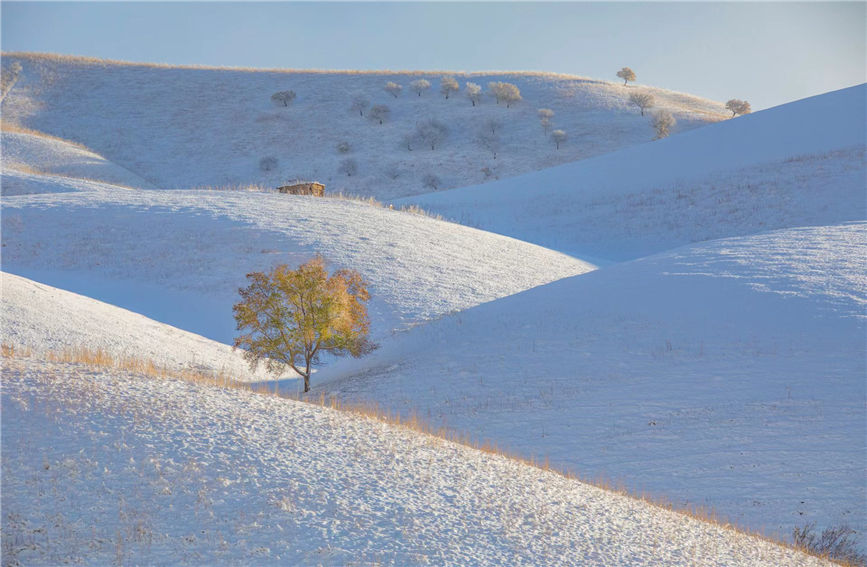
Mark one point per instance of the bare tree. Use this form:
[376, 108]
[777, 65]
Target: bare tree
[283, 98]
[738, 106]
[489, 141]
[348, 166]
[626, 74]
[268, 163]
[431, 132]
[393, 89]
[449, 85]
[474, 92]
[431, 181]
[493, 125]
[558, 136]
[663, 122]
[545, 116]
[419, 86]
[360, 103]
[506, 92]
[379, 112]
[642, 100]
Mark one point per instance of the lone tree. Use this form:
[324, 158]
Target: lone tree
[558, 136]
[738, 106]
[287, 318]
[419, 86]
[642, 100]
[506, 92]
[360, 103]
[663, 122]
[545, 116]
[393, 88]
[283, 98]
[474, 92]
[626, 74]
[449, 85]
[379, 112]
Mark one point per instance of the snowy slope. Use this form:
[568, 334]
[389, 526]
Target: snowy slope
[193, 127]
[29, 150]
[797, 164]
[729, 374]
[113, 468]
[180, 256]
[43, 318]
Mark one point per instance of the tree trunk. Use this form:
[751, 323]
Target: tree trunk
[307, 378]
[473, 101]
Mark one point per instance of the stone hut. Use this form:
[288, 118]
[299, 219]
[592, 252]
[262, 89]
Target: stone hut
[303, 188]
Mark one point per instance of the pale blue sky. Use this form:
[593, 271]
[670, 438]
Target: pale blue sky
[767, 53]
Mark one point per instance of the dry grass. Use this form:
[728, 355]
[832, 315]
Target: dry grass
[102, 359]
[7, 126]
[412, 209]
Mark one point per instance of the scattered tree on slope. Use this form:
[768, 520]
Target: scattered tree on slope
[642, 100]
[449, 85]
[283, 98]
[419, 86]
[545, 116]
[393, 89]
[558, 136]
[431, 132]
[287, 318]
[738, 106]
[626, 74]
[506, 92]
[663, 122]
[474, 92]
[379, 112]
[360, 103]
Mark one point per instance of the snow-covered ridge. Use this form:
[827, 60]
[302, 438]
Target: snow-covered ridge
[727, 374]
[798, 164]
[187, 127]
[166, 471]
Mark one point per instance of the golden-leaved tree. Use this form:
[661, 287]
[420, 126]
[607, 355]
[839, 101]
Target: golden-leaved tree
[287, 318]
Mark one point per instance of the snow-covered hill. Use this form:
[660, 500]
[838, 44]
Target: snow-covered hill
[729, 374]
[132, 470]
[798, 164]
[192, 127]
[180, 256]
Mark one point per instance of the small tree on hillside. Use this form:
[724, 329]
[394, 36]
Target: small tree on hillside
[642, 100]
[738, 106]
[474, 92]
[431, 132]
[359, 104]
[558, 137]
[419, 86]
[493, 125]
[489, 141]
[287, 318]
[449, 85]
[431, 181]
[506, 92]
[663, 122]
[393, 89]
[545, 116]
[283, 98]
[626, 74]
[379, 112]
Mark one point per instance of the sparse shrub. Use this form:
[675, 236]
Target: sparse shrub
[642, 100]
[379, 112]
[268, 163]
[738, 106]
[663, 122]
[283, 98]
[834, 543]
[474, 92]
[419, 86]
[344, 147]
[449, 85]
[506, 92]
[287, 318]
[626, 74]
[431, 132]
[360, 104]
[558, 137]
[393, 89]
[431, 181]
[348, 166]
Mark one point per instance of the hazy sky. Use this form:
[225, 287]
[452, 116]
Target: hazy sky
[767, 53]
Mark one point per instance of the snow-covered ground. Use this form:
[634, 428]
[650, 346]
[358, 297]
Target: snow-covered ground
[185, 128]
[180, 256]
[729, 374]
[110, 468]
[798, 164]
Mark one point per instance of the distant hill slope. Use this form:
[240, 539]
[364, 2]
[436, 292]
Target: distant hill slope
[727, 374]
[184, 127]
[798, 164]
